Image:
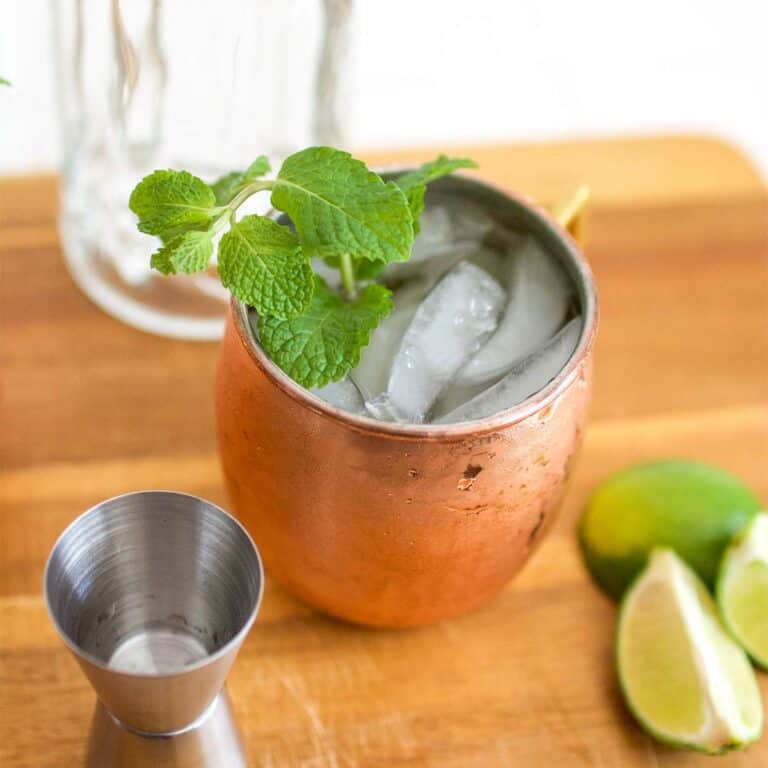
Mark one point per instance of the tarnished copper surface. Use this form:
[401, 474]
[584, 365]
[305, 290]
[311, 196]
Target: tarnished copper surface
[395, 525]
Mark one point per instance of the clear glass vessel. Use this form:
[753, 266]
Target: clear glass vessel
[202, 86]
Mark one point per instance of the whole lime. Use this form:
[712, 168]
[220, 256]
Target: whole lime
[692, 508]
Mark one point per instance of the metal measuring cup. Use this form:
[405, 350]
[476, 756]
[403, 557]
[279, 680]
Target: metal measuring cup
[154, 593]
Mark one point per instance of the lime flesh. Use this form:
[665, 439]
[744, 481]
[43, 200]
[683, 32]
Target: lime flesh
[742, 589]
[692, 508]
[685, 680]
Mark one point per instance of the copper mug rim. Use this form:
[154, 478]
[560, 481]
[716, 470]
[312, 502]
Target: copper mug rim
[585, 283]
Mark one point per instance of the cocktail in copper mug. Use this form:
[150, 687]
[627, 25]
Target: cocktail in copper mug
[391, 524]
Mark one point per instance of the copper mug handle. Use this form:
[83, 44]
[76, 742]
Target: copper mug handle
[571, 212]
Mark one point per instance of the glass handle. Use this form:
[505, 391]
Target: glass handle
[333, 57]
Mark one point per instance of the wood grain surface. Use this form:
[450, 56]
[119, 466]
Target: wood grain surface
[90, 408]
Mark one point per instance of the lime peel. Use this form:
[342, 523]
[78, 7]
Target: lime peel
[692, 508]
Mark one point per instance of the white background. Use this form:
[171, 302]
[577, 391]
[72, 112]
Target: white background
[459, 71]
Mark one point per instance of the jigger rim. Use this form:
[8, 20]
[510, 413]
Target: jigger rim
[234, 642]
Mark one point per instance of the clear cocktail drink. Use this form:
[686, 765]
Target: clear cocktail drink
[484, 317]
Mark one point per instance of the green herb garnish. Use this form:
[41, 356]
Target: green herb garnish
[342, 212]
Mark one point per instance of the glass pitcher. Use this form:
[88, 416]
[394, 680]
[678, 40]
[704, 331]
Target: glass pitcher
[202, 86]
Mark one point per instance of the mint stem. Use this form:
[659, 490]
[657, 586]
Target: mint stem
[246, 192]
[348, 276]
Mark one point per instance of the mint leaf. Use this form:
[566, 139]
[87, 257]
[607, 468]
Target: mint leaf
[368, 270]
[190, 252]
[169, 203]
[161, 260]
[324, 343]
[258, 168]
[3, 81]
[263, 265]
[338, 206]
[226, 187]
[414, 183]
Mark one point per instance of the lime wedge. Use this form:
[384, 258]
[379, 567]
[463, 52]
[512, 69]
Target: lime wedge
[742, 589]
[683, 677]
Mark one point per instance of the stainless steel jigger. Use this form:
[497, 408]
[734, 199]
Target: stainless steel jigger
[154, 593]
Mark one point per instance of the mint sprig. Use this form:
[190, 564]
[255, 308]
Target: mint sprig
[342, 212]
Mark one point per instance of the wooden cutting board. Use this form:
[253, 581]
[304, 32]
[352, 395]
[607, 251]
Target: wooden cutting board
[91, 408]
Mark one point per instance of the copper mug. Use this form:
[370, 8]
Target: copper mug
[400, 525]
